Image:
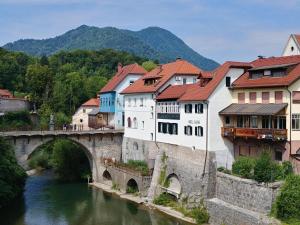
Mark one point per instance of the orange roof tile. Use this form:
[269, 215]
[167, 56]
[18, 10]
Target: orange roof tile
[297, 36]
[163, 74]
[120, 76]
[198, 93]
[93, 102]
[174, 91]
[244, 81]
[5, 93]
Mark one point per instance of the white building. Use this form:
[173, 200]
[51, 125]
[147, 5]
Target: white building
[81, 117]
[292, 46]
[140, 105]
[112, 103]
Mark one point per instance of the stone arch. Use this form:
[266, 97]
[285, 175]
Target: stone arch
[135, 123]
[174, 185]
[107, 178]
[85, 149]
[132, 186]
[129, 122]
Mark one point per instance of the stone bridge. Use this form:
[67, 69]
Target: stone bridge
[97, 144]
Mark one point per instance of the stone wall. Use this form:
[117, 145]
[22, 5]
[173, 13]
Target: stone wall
[185, 163]
[245, 193]
[13, 104]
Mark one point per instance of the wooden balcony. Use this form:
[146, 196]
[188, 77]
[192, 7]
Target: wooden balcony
[255, 133]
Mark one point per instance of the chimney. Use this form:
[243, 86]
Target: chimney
[119, 67]
[178, 58]
[261, 57]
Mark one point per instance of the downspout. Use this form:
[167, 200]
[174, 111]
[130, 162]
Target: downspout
[290, 131]
[206, 139]
[155, 120]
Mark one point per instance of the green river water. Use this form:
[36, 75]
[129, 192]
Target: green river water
[48, 202]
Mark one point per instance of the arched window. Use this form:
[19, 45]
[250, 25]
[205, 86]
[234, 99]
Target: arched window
[129, 122]
[135, 124]
[135, 146]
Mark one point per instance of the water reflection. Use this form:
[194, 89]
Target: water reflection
[48, 202]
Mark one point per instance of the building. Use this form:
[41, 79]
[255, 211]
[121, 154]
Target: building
[265, 109]
[80, 120]
[140, 104]
[112, 103]
[8, 103]
[292, 46]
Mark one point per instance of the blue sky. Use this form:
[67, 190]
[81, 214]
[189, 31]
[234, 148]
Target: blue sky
[218, 29]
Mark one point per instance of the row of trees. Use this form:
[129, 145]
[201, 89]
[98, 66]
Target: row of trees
[62, 82]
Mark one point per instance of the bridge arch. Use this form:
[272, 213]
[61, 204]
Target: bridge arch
[132, 186]
[107, 178]
[173, 185]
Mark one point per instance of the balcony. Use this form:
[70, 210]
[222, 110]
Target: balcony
[169, 116]
[255, 133]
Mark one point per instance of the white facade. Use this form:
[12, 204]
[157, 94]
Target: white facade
[292, 47]
[140, 111]
[80, 119]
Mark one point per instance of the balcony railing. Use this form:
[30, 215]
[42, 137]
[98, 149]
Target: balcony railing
[170, 116]
[256, 133]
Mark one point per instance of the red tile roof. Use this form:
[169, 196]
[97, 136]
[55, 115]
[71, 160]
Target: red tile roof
[163, 73]
[93, 102]
[297, 36]
[120, 76]
[244, 81]
[5, 93]
[198, 93]
[174, 91]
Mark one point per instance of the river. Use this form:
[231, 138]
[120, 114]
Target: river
[49, 202]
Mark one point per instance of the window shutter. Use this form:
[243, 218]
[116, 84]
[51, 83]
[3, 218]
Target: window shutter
[184, 129]
[159, 127]
[201, 108]
[196, 131]
[185, 106]
[196, 108]
[201, 131]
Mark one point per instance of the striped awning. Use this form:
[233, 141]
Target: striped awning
[253, 109]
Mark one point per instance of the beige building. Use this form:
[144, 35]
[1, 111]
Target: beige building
[80, 119]
[265, 110]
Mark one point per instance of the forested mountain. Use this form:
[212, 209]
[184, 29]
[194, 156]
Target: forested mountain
[153, 43]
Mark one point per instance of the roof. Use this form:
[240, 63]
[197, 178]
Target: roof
[94, 112]
[174, 91]
[198, 93]
[120, 76]
[253, 109]
[5, 92]
[93, 102]
[293, 62]
[162, 73]
[297, 38]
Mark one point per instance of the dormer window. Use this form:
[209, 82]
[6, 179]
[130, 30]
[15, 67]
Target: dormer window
[149, 82]
[256, 74]
[279, 73]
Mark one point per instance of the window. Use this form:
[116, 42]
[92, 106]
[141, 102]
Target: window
[253, 121]
[184, 80]
[151, 136]
[241, 98]
[296, 97]
[265, 97]
[194, 80]
[278, 96]
[188, 108]
[177, 78]
[266, 122]
[129, 122]
[143, 124]
[188, 130]
[84, 110]
[227, 120]
[168, 128]
[135, 123]
[228, 81]
[131, 82]
[296, 121]
[252, 97]
[198, 108]
[279, 73]
[240, 121]
[292, 48]
[280, 122]
[256, 74]
[142, 102]
[199, 131]
[134, 102]
[151, 117]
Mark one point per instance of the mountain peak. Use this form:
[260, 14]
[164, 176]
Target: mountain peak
[152, 42]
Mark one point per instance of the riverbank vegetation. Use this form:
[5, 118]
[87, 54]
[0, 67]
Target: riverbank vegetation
[16, 120]
[137, 165]
[66, 158]
[261, 169]
[60, 83]
[12, 176]
[199, 213]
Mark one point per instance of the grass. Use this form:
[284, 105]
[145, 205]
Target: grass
[138, 165]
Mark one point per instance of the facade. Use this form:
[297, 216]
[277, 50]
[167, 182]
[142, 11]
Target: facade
[265, 109]
[292, 46]
[80, 120]
[112, 103]
[140, 103]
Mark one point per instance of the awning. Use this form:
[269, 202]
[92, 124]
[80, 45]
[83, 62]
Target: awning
[94, 112]
[253, 109]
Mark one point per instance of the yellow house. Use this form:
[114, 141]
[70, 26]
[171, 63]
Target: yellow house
[265, 110]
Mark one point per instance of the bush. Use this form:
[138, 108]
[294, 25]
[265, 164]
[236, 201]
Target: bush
[39, 160]
[163, 199]
[266, 170]
[287, 169]
[224, 170]
[244, 167]
[138, 165]
[287, 205]
[200, 214]
[12, 176]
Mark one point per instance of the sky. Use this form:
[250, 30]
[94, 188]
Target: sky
[219, 29]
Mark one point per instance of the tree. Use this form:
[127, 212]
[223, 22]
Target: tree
[149, 65]
[12, 176]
